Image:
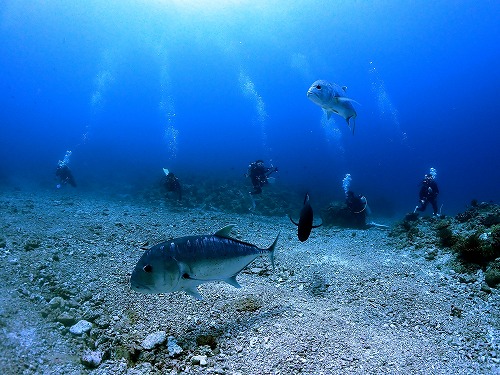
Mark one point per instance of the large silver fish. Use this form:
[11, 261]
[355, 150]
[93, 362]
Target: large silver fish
[331, 97]
[186, 262]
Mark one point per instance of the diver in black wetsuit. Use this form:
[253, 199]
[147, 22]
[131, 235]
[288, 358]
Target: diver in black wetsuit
[428, 194]
[259, 175]
[63, 173]
[172, 184]
[358, 206]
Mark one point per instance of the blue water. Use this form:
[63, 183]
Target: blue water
[205, 87]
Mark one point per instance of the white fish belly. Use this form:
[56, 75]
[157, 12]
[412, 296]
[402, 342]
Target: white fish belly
[218, 269]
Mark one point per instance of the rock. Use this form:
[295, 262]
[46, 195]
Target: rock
[56, 302]
[199, 360]
[80, 328]
[92, 359]
[485, 288]
[66, 319]
[455, 311]
[154, 339]
[173, 349]
[92, 315]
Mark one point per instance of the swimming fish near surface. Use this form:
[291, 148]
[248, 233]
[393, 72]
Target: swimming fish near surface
[186, 262]
[305, 224]
[331, 97]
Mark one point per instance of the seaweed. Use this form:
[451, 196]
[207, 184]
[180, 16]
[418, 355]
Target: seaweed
[476, 248]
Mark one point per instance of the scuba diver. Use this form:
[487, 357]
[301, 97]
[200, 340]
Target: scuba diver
[358, 206]
[259, 175]
[172, 183]
[428, 194]
[63, 173]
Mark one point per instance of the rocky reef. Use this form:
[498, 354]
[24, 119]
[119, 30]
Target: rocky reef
[338, 214]
[473, 237]
[232, 196]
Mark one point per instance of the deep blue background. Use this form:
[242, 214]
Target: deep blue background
[425, 74]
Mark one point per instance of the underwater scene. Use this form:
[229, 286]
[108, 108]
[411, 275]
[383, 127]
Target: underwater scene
[249, 187]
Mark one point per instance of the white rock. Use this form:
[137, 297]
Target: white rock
[80, 328]
[173, 348]
[92, 359]
[154, 339]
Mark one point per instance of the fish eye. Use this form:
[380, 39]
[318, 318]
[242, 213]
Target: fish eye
[318, 87]
[148, 268]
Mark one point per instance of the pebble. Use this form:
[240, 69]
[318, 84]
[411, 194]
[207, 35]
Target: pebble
[56, 302]
[80, 328]
[154, 339]
[199, 360]
[66, 319]
[92, 359]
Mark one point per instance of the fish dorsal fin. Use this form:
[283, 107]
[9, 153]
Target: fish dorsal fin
[224, 232]
[297, 224]
[344, 88]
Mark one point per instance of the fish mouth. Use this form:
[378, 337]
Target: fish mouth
[138, 287]
[311, 94]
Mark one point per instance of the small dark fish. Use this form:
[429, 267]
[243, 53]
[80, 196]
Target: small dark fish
[305, 224]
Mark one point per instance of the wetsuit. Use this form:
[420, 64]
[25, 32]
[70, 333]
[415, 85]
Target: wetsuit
[172, 184]
[65, 176]
[428, 194]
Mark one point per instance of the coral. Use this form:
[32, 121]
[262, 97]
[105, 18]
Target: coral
[477, 248]
[338, 214]
[492, 274]
[31, 245]
[445, 234]
[249, 304]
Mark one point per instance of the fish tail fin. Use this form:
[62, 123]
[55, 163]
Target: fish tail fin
[270, 250]
[352, 120]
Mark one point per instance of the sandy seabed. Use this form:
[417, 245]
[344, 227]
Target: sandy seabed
[344, 302]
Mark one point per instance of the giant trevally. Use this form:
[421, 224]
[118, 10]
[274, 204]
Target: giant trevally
[331, 97]
[186, 262]
[305, 224]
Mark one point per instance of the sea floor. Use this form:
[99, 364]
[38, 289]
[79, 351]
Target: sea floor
[345, 301]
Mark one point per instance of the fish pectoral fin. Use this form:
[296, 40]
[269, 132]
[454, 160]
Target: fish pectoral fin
[232, 281]
[343, 99]
[194, 293]
[317, 226]
[292, 220]
[224, 232]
